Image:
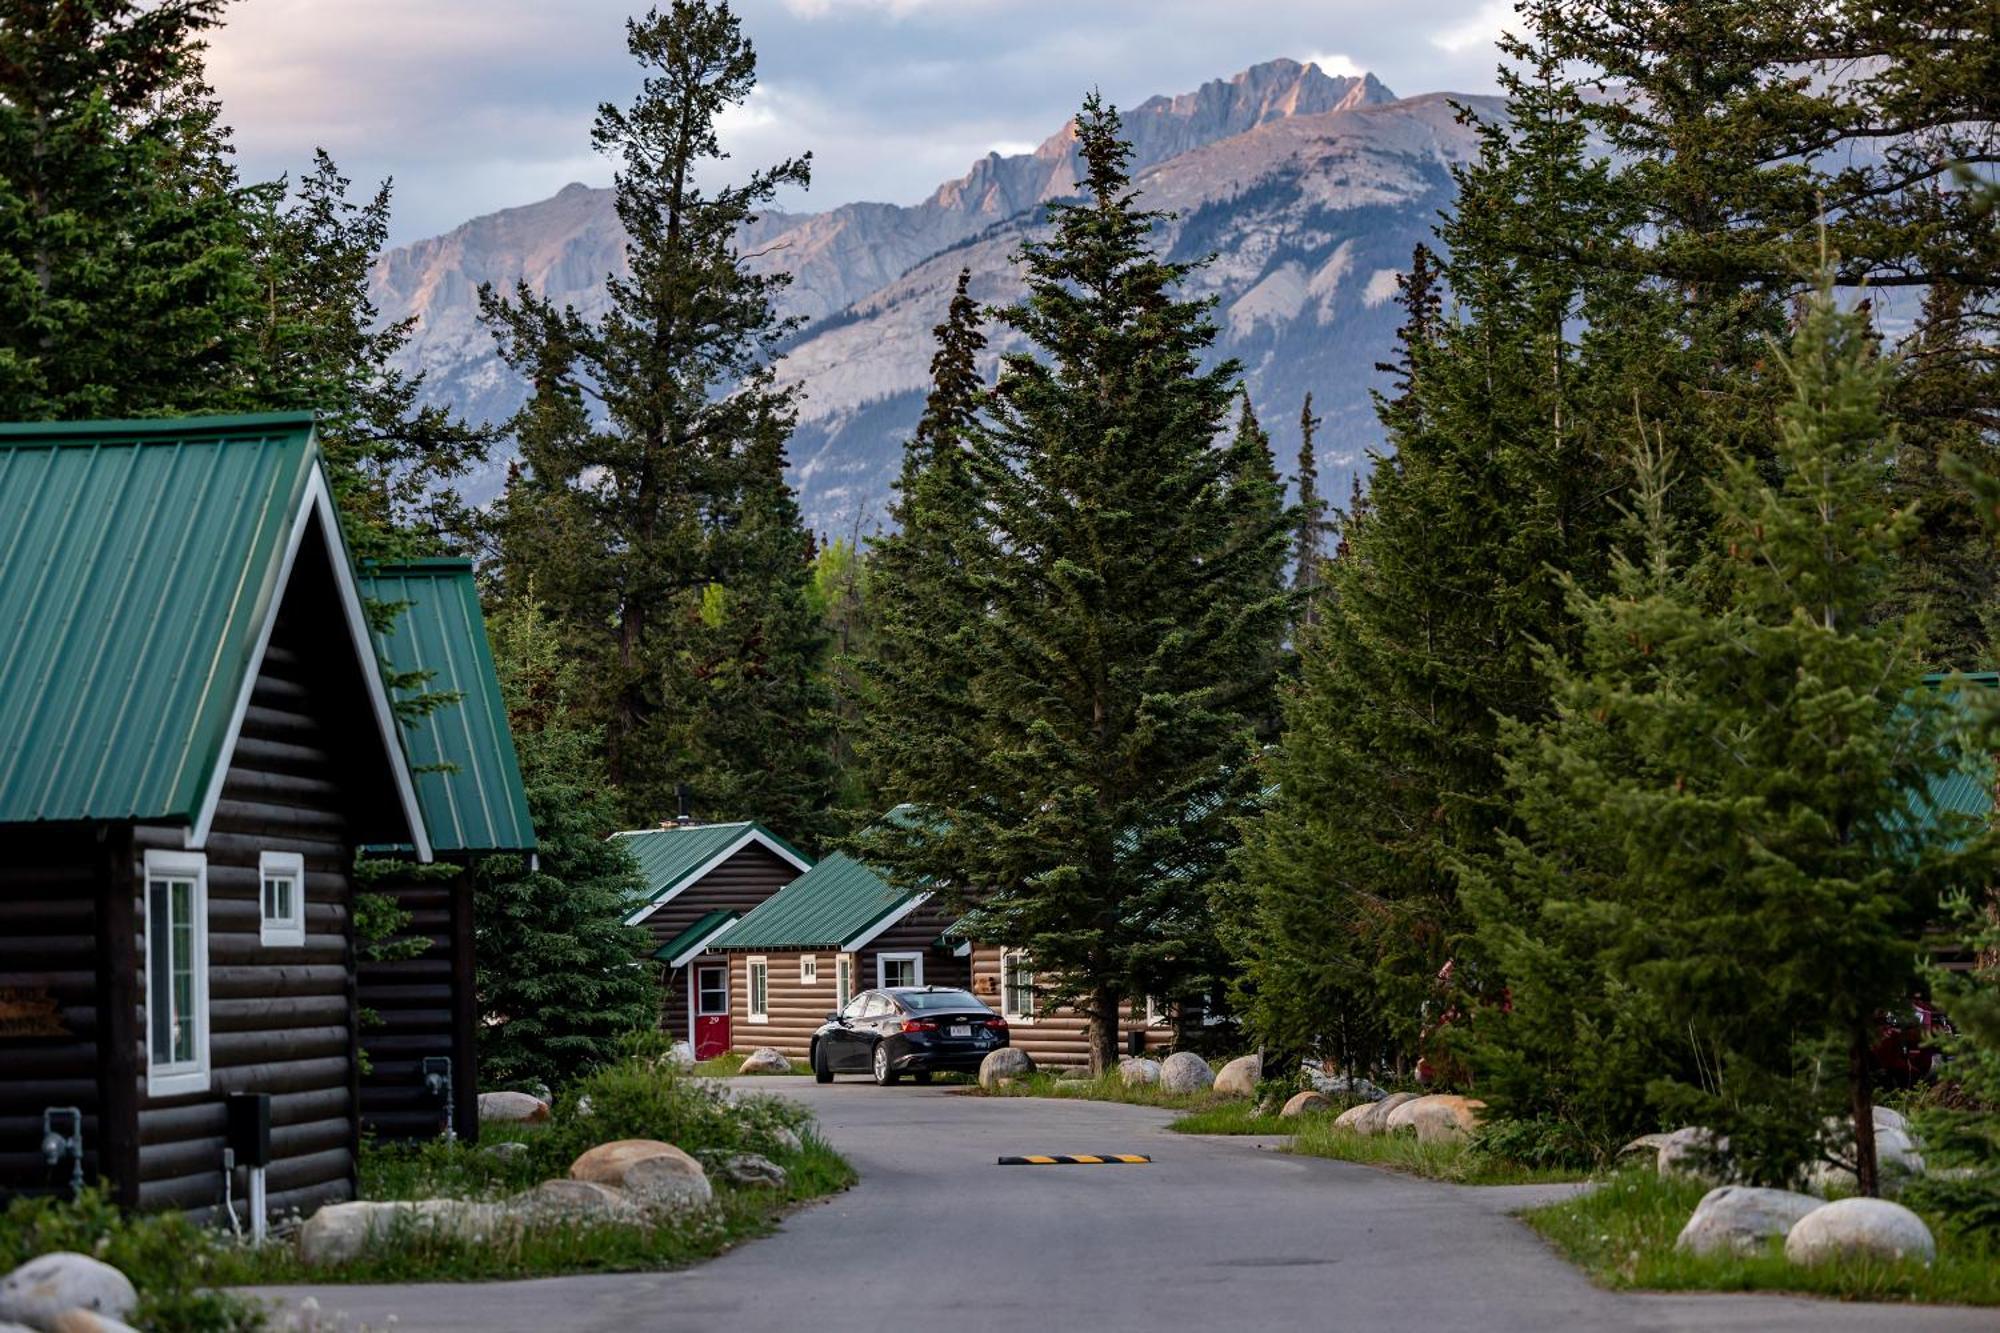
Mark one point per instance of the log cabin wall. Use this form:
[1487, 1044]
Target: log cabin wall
[1057, 1038]
[421, 1006]
[60, 983]
[738, 884]
[798, 1008]
[280, 1016]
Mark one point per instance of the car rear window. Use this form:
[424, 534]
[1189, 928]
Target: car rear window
[920, 1000]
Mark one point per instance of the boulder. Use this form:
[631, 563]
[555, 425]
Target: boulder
[668, 1183]
[583, 1105]
[1698, 1153]
[1897, 1160]
[1139, 1073]
[573, 1201]
[782, 1138]
[1859, 1229]
[1351, 1118]
[1443, 1118]
[1373, 1117]
[1340, 1085]
[1239, 1077]
[1185, 1072]
[1305, 1103]
[44, 1287]
[747, 1170]
[1887, 1119]
[607, 1163]
[341, 1232]
[505, 1150]
[1738, 1219]
[1403, 1114]
[511, 1108]
[1649, 1144]
[766, 1060]
[85, 1321]
[1009, 1062]
[679, 1056]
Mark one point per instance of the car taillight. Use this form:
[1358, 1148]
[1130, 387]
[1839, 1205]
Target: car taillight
[918, 1025]
[997, 1024]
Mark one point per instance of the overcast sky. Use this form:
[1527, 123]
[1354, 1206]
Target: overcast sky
[475, 105]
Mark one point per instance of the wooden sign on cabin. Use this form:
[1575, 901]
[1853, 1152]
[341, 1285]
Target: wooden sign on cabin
[30, 1013]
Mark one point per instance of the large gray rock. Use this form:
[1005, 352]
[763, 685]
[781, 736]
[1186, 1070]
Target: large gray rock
[747, 1170]
[766, 1060]
[1700, 1154]
[1436, 1118]
[569, 1201]
[608, 1163]
[511, 1108]
[42, 1288]
[1239, 1077]
[342, 1232]
[668, 1183]
[1739, 1219]
[1859, 1229]
[1139, 1073]
[1897, 1159]
[1305, 1103]
[1008, 1062]
[1340, 1085]
[680, 1056]
[1185, 1072]
[1373, 1117]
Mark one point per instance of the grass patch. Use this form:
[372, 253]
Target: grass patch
[1623, 1232]
[1235, 1116]
[1205, 1112]
[730, 1065]
[1460, 1162]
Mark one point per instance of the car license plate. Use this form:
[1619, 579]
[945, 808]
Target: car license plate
[959, 1030]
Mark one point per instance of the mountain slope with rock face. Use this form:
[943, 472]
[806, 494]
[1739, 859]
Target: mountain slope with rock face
[1310, 190]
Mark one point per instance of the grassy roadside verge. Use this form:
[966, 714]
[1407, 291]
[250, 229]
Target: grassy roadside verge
[1459, 1162]
[1205, 1112]
[730, 1065]
[1622, 1234]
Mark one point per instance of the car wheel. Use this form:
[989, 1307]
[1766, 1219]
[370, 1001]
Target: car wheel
[885, 1075]
[822, 1073]
[922, 1076]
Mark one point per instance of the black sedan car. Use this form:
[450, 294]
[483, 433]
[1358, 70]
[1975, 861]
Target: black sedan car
[915, 1030]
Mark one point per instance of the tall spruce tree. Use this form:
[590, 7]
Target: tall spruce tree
[1125, 628]
[125, 285]
[1308, 551]
[1728, 835]
[647, 439]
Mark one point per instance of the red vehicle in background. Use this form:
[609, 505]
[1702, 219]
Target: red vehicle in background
[1905, 1052]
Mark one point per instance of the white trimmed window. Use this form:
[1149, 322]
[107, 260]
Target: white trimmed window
[898, 969]
[282, 876]
[808, 969]
[1017, 987]
[843, 979]
[176, 928]
[760, 990]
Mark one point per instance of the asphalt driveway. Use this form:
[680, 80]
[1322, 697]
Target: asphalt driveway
[1217, 1233]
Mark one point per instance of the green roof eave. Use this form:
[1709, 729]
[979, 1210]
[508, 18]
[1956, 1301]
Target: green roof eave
[468, 775]
[838, 904]
[695, 936]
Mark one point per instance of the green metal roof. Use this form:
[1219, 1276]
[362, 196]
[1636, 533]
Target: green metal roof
[1966, 790]
[476, 803]
[703, 926]
[669, 857]
[828, 907]
[138, 563]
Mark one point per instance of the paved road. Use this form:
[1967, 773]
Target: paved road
[1217, 1234]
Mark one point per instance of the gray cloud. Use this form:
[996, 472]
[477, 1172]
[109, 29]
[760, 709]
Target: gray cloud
[474, 105]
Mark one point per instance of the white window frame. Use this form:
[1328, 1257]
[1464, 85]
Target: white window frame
[176, 1078]
[1156, 1016]
[288, 930]
[843, 979]
[753, 969]
[808, 969]
[1016, 959]
[882, 961]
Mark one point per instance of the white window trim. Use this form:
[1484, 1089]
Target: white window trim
[843, 979]
[808, 969]
[1018, 956]
[882, 961]
[750, 967]
[289, 931]
[174, 1080]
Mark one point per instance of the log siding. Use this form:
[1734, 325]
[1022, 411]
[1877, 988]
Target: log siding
[746, 879]
[1057, 1038]
[413, 1008]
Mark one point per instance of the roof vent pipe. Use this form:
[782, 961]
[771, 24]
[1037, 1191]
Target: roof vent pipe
[681, 794]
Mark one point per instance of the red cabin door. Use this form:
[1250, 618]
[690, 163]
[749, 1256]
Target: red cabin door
[711, 1010]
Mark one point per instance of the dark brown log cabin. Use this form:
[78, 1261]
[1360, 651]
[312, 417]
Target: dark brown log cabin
[194, 739]
[420, 1011]
[701, 878]
[835, 931]
[1054, 1036]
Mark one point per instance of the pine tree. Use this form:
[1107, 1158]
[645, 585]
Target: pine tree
[1308, 552]
[319, 344]
[646, 441]
[1727, 832]
[125, 288]
[558, 983]
[1128, 616]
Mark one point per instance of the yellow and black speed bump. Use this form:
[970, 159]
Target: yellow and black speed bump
[1077, 1159]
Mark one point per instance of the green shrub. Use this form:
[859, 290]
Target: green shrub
[169, 1259]
[1539, 1142]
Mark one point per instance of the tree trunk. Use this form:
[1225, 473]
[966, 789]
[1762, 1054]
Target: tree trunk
[1864, 1115]
[1104, 1030]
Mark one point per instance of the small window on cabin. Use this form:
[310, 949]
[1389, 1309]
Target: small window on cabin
[843, 980]
[283, 876]
[760, 991]
[899, 969]
[176, 932]
[1017, 986]
[808, 970]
